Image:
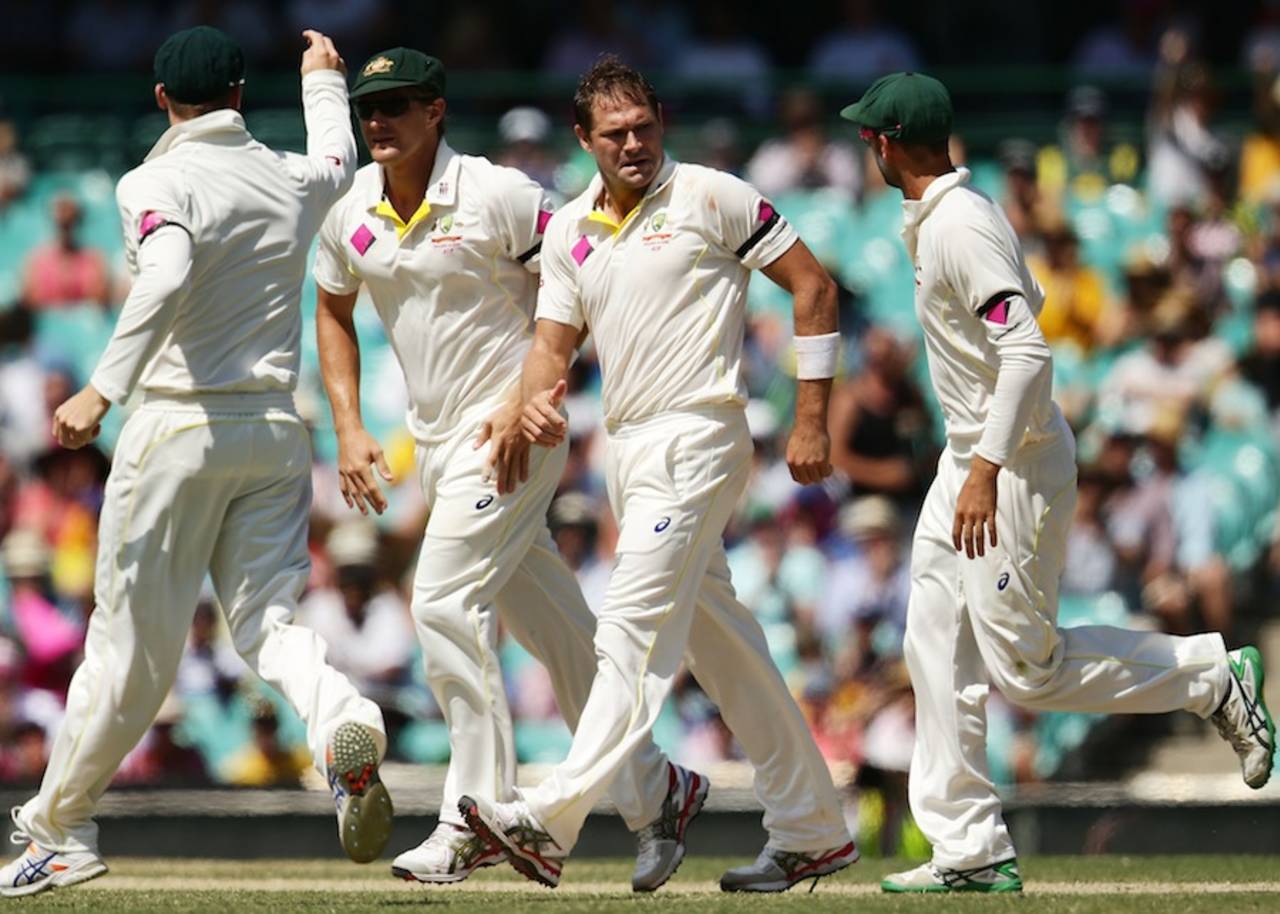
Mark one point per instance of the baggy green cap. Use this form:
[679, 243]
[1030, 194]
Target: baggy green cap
[199, 64]
[906, 106]
[397, 68]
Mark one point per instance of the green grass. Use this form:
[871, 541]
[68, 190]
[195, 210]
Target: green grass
[1061, 885]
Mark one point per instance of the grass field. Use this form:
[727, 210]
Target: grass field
[1055, 885]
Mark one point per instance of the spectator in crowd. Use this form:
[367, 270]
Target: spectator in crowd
[1183, 149]
[862, 47]
[15, 170]
[24, 418]
[64, 272]
[1076, 309]
[50, 639]
[863, 613]
[163, 757]
[210, 666]
[572, 518]
[805, 157]
[722, 53]
[880, 425]
[1260, 151]
[1090, 566]
[24, 755]
[1085, 161]
[720, 145]
[525, 132]
[366, 625]
[1024, 202]
[1123, 48]
[112, 35]
[1261, 364]
[265, 761]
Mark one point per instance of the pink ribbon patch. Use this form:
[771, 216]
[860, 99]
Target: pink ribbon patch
[581, 250]
[151, 220]
[1000, 313]
[361, 239]
[766, 211]
[543, 218]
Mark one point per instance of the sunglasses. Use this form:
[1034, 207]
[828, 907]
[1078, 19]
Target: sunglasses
[869, 134]
[394, 106]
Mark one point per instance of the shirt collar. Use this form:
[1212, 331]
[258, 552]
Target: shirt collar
[442, 189]
[226, 121]
[915, 211]
[659, 183]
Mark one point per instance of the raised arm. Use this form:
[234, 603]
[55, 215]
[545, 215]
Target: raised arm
[331, 146]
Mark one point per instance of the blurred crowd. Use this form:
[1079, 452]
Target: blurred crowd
[1160, 259]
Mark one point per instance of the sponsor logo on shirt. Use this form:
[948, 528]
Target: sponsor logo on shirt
[654, 238]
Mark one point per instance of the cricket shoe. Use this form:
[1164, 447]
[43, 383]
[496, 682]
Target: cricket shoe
[778, 870]
[995, 877]
[38, 869]
[450, 854]
[1243, 718]
[511, 828]
[660, 844]
[360, 797]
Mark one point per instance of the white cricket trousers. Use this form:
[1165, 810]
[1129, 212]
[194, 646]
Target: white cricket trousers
[674, 481]
[487, 557]
[992, 619]
[218, 484]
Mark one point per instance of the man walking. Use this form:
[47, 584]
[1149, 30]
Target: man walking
[655, 258]
[212, 472]
[447, 246]
[991, 539]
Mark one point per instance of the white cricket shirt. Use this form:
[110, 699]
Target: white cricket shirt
[966, 254]
[664, 292]
[454, 285]
[251, 214]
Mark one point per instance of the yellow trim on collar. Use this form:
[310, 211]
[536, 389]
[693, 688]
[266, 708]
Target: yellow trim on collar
[384, 208]
[598, 216]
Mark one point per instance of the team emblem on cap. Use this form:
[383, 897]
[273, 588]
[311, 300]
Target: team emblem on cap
[378, 65]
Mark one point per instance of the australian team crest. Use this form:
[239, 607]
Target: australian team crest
[654, 237]
[378, 65]
[444, 235]
[658, 220]
[444, 223]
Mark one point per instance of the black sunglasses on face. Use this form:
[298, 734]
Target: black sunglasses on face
[394, 106]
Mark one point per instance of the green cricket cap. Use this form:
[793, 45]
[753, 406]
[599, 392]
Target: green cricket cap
[199, 64]
[397, 68]
[905, 106]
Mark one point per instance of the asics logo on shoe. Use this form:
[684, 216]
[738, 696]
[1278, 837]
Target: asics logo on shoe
[32, 870]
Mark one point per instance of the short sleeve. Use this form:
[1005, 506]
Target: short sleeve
[332, 270]
[979, 264]
[747, 223]
[521, 211]
[558, 298]
[148, 203]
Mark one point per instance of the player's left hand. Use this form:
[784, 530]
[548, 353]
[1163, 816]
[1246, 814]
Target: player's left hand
[976, 509]
[79, 420]
[809, 453]
[508, 460]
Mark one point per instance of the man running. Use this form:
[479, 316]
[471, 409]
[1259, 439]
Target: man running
[655, 258]
[212, 473]
[991, 540]
[447, 246]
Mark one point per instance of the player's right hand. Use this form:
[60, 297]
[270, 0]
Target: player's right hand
[321, 54]
[358, 453]
[542, 422]
[508, 460]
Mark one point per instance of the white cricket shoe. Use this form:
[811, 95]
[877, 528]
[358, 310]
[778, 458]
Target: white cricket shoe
[777, 870]
[995, 877]
[660, 844]
[513, 829]
[1243, 719]
[359, 796]
[450, 854]
[39, 869]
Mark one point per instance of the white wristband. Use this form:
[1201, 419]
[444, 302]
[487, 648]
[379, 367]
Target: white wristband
[817, 356]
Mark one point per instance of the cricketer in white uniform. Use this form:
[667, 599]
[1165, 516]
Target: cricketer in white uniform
[655, 258]
[212, 471]
[991, 539]
[447, 246]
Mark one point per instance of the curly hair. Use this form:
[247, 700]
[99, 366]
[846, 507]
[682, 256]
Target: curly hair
[611, 78]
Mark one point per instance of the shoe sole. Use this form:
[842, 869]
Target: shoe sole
[408, 875]
[997, 888]
[699, 800]
[787, 885]
[62, 880]
[1254, 656]
[498, 842]
[364, 825]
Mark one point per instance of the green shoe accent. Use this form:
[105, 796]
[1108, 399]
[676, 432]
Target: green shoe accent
[926, 878]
